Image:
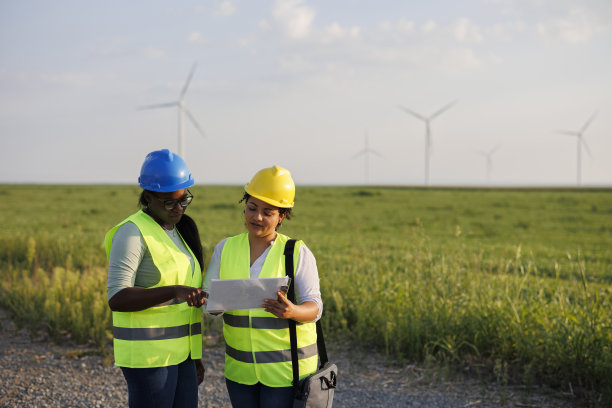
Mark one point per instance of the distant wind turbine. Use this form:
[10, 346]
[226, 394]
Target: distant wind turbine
[579, 142]
[427, 120]
[366, 152]
[489, 160]
[181, 109]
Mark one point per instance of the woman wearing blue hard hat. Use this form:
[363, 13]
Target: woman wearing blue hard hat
[154, 280]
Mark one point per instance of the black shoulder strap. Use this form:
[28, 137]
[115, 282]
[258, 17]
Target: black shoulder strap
[289, 246]
[289, 249]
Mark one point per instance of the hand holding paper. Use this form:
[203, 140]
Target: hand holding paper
[227, 294]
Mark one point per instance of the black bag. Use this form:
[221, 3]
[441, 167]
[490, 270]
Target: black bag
[316, 390]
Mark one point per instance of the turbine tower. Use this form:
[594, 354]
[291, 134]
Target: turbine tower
[489, 160]
[182, 110]
[427, 120]
[366, 152]
[579, 142]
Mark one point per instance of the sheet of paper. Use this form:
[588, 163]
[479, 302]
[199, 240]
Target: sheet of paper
[226, 294]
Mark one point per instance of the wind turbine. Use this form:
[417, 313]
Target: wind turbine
[366, 152]
[182, 109]
[579, 142]
[489, 160]
[427, 120]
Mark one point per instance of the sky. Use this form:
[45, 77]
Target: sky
[302, 84]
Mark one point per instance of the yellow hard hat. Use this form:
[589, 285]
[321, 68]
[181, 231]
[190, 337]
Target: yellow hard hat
[273, 185]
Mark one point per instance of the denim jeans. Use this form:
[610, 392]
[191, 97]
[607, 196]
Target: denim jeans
[163, 387]
[259, 395]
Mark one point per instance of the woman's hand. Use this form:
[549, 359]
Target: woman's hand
[280, 307]
[200, 370]
[285, 309]
[193, 296]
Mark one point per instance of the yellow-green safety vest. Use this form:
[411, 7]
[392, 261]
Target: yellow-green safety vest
[166, 334]
[257, 342]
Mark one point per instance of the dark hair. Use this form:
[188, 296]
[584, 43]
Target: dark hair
[142, 201]
[287, 211]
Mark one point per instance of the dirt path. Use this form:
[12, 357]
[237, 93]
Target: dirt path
[37, 373]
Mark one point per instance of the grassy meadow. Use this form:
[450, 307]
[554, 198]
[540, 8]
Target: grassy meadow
[516, 283]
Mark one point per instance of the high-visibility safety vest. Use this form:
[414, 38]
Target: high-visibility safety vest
[166, 334]
[257, 342]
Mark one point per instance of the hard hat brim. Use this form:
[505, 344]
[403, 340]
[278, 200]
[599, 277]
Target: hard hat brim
[267, 199]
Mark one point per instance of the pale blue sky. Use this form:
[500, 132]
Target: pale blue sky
[297, 83]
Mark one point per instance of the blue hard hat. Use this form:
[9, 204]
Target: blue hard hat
[164, 171]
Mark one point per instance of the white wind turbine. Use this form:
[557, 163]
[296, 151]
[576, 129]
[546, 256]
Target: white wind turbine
[180, 103]
[488, 156]
[427, 120]
[579, 142]
[366, 152]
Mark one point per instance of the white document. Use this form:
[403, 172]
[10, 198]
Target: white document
[226, 294]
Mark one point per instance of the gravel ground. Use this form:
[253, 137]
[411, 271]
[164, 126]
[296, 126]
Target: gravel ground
[38, 373]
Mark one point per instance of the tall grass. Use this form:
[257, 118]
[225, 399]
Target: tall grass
[460, 308]
[62, 300]
[516, 282]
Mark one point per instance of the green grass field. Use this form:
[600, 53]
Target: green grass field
[518, 282]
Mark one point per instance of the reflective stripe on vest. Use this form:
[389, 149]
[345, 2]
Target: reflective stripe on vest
[169, 333]
[257, 322]
[257, 342]
[275, 356]
[156, 333]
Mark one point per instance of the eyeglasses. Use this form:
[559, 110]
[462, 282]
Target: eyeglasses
[183, 201]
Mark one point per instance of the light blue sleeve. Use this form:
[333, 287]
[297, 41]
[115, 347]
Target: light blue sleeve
[127, 251]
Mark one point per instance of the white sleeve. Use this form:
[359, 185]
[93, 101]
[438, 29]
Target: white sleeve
[214, 266]
[307, 280]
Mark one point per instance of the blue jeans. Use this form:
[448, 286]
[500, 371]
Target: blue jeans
[163, 387]
[259, 395]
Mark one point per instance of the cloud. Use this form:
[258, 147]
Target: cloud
[264, 25]
[294, 18]
[460, 59]
[336, 31]
[429, 26]
[225, 9]
[495, 59]
[506, 31]
[152, 53]
[402, 26]
[465, 31]
[578, 27]
[197, 39]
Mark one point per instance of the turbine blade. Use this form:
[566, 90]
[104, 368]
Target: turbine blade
[494, 149]
[158, 105]
[184, 91]
[362, 152]
[588, 122]
[376, 153]
[586, 146]
[445, 108]
[412, 113]
[195, 122]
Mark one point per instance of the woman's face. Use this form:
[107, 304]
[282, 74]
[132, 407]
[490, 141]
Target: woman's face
[157, 206]
[261, 218]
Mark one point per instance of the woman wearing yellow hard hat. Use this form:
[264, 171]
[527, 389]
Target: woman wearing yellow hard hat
[258, 368]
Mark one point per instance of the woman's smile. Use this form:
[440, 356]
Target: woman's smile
[261, 218]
